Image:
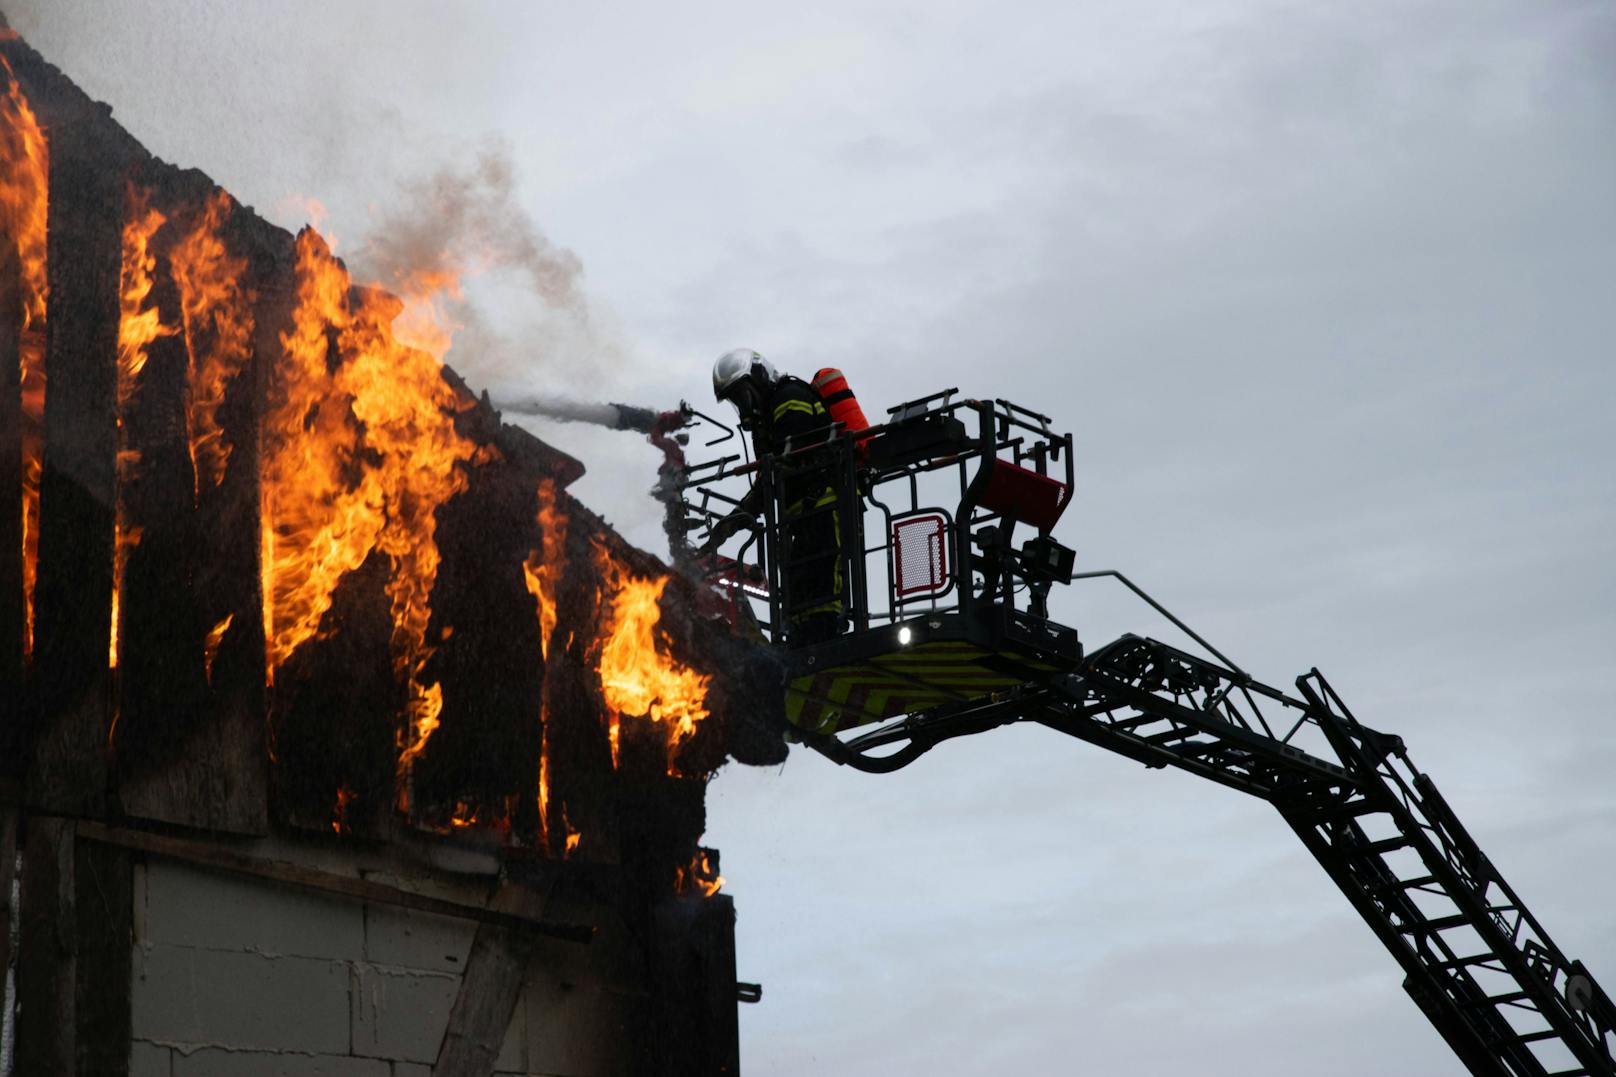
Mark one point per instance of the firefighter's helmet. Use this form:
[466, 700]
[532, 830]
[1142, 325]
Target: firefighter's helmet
[744, 378]
[742, 363]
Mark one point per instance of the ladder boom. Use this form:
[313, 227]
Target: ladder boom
[1476, 961]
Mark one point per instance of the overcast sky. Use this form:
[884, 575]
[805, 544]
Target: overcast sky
[1327, 294]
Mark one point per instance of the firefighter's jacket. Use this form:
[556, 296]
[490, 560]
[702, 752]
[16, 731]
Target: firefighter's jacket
[794, 417]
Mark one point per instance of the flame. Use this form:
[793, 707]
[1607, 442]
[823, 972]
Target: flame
[312, 210]
[542, 571]
[700, 877]
[359, 451]
[425, 322]
[467, 814]
[124, 539]
[573, 838]
[210, 646]
[543, 568]
[216, 314]
[636, 678]
[339, 810]
[544, 782]
[138, 326]
[425, 707]
[24, 190]
[316, 526]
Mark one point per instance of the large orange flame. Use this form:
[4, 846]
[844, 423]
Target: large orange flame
[637, 677]
[138, 326]
[359, 451]
[24, 187]
[217, 317]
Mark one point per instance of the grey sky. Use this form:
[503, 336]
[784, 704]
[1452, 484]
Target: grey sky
[1327, 293]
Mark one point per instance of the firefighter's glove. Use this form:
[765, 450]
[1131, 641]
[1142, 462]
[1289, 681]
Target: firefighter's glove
[722, 531]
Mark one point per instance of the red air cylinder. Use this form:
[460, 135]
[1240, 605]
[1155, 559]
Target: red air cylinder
[839, 400]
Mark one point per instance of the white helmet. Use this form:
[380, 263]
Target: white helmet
[735, 367]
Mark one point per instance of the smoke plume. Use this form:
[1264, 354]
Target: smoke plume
[463, 222]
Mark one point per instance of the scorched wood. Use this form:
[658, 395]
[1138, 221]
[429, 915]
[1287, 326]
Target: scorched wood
[73, 975]
[582, 778]
[161, 685]
[45, 961]
[74, 590]
[335, 706]
[11, 573]
[483, 761]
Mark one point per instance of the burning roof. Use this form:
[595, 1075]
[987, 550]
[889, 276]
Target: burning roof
[268, 562]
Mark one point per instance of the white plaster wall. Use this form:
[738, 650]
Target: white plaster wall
[237, 977]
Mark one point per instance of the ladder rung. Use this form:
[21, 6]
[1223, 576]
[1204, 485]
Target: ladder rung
[1510, 996]
[1473, 959]
[1386, 845]
[1172, 735]
[1129, 724]
[1546, 1034]
[1442, 923]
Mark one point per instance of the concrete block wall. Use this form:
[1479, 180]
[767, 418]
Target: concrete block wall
[237, 977]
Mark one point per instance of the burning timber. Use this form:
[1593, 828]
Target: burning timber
[293, 625]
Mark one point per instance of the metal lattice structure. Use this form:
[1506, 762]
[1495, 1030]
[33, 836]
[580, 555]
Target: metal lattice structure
[980, 652]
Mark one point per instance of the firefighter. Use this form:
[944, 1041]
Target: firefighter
[779, 410]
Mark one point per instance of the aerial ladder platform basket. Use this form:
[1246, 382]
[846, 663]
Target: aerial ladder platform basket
[942, 606]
